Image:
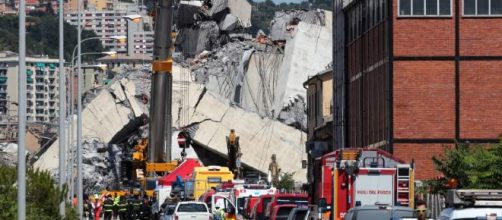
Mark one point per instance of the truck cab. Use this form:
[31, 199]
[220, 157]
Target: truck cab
[258, 212]
[297, 200]
[205, 178]
[281, 212]
[242, 194]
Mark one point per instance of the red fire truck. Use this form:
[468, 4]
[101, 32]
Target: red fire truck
[353, 177]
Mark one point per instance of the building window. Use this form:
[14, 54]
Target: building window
[482, 7]
[425, 7]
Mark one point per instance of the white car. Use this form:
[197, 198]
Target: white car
[471, 213]
[192, 211]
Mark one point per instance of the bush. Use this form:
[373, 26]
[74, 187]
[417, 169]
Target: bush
[42, 199]
[472, 166]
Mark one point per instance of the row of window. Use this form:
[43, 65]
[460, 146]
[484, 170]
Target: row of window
[444, 7]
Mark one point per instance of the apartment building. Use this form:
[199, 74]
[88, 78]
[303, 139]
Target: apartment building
[41, 89]
[143, 42]
[414, 76]
[71, 5]
[107, 23]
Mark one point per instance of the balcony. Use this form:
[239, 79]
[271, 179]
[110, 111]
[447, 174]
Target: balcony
[40, 65]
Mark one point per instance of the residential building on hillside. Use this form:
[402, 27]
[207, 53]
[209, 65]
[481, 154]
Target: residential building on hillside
[42, 89]
[112, 23]
[71, 5]
[412, 77]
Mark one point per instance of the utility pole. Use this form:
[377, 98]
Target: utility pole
[80, 185]
[21, 91]
[62, 110]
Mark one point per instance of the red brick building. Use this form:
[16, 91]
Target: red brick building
[418, 75]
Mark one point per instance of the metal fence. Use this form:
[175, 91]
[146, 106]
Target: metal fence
[435, 204]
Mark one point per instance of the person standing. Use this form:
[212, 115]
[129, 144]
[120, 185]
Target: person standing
[421, 210]
[122, 208]
[97, 207]
[108, 207]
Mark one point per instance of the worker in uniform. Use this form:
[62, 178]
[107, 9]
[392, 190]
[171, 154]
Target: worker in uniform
[122, 208]
[274, 171]
[137, 207]
[146, 210]
[130, 208]
[108, 207]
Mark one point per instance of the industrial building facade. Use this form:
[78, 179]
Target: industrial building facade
[418, 75]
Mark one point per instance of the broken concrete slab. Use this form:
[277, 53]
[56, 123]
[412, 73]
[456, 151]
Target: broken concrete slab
[229, 23]
[306, 54]
[219, 8]
[102, 118]
[259, 137]
[186, 13]
[284, 22]
[242, 10]
[204, 36]
[259, 92]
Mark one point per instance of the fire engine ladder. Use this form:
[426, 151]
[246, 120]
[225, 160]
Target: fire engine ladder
[405, 183]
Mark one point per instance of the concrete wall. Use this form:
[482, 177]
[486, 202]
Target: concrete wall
[307, 53]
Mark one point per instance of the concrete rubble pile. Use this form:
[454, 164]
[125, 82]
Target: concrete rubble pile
[252, 86]
[207, 25]
[97, 170]
[8, 154]
[266, 76]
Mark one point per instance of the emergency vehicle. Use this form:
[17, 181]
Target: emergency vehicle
[353, 177]
[205, 178]
[241, 194]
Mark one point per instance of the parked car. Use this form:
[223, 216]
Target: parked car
[379, 212]
[286, 199]
[192, 211]
[258, 212]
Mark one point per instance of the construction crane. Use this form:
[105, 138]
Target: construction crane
[159, 144]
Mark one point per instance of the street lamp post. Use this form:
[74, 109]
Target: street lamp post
[21, 157]
[80, 194]
[62, 109]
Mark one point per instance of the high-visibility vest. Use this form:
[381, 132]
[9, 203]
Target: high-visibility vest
[116, 201]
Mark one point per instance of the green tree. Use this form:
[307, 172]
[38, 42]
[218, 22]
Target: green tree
[473, 166]
[42, 34]
[287, 182]
[42, 199]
